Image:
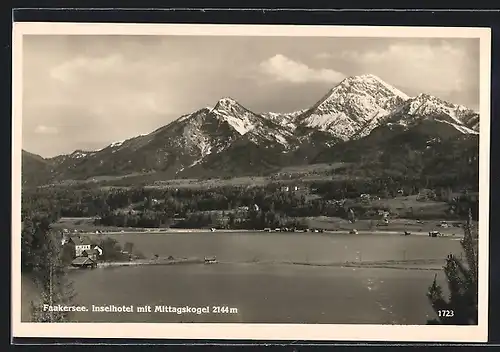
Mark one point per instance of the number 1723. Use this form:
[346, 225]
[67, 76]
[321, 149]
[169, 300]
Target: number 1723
[446, 313]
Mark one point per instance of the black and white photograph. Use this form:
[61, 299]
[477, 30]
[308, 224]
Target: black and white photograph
[296, 178]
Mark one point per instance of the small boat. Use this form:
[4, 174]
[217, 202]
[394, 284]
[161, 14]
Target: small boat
[434, 234]
[210, 260]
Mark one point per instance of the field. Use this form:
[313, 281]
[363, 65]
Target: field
[86, 225]
[313, 168]
[303, 173]
[410, 204]
[394, 225]
[212, 183]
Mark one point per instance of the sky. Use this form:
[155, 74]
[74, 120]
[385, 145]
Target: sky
[85, 92]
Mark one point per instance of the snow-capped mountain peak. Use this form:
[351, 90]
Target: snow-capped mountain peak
[350, 110]
[426, 106]
[369, 84]
[225, 103]
[238, 117]
[284, 119]
[353, 104]
[393, 90]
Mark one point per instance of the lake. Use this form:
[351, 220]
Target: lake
[284, 247]
[258, 283]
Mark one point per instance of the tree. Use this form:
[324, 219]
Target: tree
[111, 250]
[68, 253]
[461, 306]
[232, 219]
[128, 247]
[42, 260]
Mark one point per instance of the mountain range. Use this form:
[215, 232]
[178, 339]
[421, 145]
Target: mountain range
[360, 115]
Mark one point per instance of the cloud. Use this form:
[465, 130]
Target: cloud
[41, 129]
[113, 67]
[282, 68]
[416, 53]
[70, 70]
[441, 68]
[110, 85]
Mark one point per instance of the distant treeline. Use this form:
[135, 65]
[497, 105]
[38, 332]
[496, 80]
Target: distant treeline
[265, 206]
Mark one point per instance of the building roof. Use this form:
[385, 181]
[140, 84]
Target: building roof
[82, 261]
[92, 251]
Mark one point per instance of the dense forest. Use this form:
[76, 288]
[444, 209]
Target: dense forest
[232, 206]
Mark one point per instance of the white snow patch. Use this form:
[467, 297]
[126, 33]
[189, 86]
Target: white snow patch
[79, 155]
[424, 104]
[338, 124]
[197, 140]
[460, 128]
[242, 124]
[280, 138]
[116, 144]
[390, 88]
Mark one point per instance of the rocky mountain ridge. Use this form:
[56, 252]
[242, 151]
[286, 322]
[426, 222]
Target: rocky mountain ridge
[213, 137]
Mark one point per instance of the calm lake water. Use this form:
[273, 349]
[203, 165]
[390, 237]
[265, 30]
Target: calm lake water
[284, 247]
[255, 277]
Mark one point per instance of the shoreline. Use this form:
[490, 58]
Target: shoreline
[330, 232]
[159, 261]
[413, 264]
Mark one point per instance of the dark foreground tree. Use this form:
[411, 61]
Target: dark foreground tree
[42, 261]
[461, 274]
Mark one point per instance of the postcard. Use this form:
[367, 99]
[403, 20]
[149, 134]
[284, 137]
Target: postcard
[250, 182]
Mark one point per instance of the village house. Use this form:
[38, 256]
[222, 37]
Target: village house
[289, 188]
[84, 262]
[92, 253]
[383, 213]
[81, 245]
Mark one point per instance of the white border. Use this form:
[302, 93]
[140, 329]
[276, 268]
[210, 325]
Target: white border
[312, 332]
